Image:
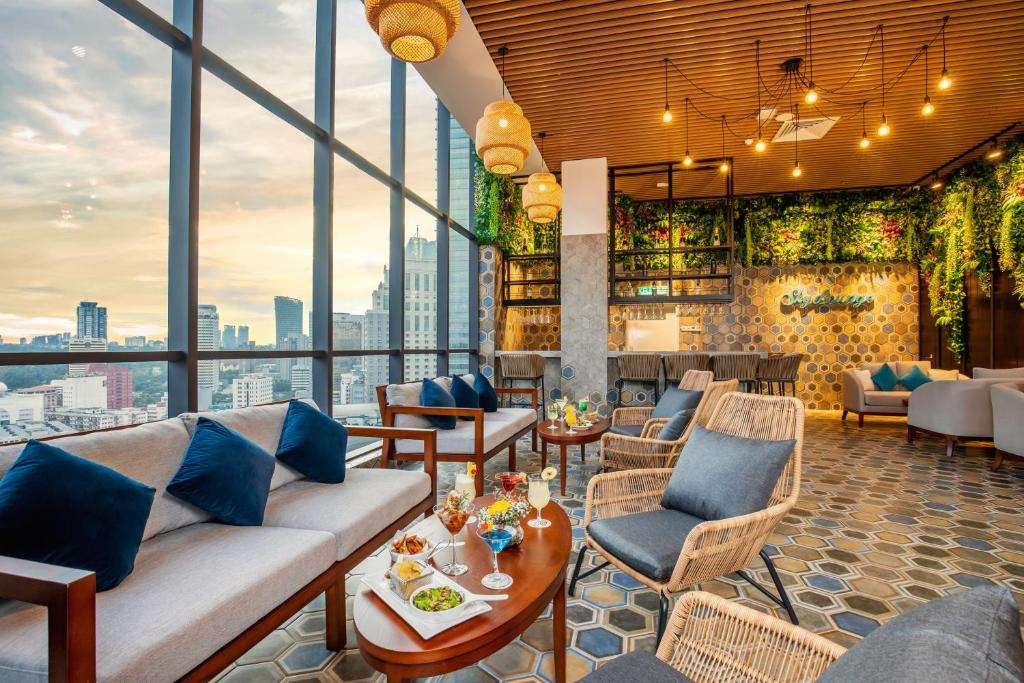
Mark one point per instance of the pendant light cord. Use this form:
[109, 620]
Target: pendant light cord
[925, 48]
[757, 65]
[686, 122]
[881, 35]
[809, 43]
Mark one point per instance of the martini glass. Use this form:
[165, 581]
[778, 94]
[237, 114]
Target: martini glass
[453, 521]
[496, 536]
[508, 481]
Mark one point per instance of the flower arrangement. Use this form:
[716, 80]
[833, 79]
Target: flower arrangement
[508, 510]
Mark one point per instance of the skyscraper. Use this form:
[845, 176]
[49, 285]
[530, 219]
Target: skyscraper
[243, 336]
[84, 345]
[347, 335]
[375, 334]
[119, 383]
[288, 319]
[92, 321]
[420, 306]
[209, 340]
[228, 339]
[459, 280]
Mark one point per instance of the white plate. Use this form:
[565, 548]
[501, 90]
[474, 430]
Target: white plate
[427, 628]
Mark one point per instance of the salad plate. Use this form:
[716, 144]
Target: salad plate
[426, 626]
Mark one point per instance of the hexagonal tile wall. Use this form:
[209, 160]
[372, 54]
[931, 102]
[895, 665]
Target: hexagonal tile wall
[881, 526]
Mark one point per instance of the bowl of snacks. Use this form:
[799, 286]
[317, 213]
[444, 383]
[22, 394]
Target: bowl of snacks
[443, 602]
[408, 575]
[405, 546]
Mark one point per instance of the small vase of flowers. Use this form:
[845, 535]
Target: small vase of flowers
[507, 511]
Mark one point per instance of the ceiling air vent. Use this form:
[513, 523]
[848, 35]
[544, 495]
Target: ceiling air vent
[810, 129]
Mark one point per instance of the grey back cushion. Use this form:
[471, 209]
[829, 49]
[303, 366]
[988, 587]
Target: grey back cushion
[674, 428]
[971, 636]
[719, 476]
[674, 400]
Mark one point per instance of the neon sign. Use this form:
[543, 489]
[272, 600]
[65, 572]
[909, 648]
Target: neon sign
[826, 300]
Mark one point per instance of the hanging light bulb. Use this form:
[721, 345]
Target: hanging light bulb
[796, 170]
[687, 159]
[542, 195]
[883, 128]
[724, 166]
[927, 109]
[864, 141]
[414, 31]
[945, 82]
[811, 96]
[503, 137]
[666, 116]
[995, 151]
[760, 146]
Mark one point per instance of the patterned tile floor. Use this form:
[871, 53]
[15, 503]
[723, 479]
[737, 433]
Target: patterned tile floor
[881, 526]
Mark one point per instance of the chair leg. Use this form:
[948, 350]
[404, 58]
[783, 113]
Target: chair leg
[576, 571]
[618, 393]
[860, 419]
[335, 616]
[663, 609]
[845, 413]
[950, 445]
[998, 462]
[782, 599]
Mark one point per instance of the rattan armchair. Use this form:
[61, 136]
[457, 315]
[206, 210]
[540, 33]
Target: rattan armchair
[693, 380]
[712, 640]
[621, 452]
[716, 547]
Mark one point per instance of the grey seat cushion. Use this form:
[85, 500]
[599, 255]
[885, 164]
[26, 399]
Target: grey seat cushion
[498, 427]
[193, 591]
[677, 424]
[971, 636]
[892, 399]
[354, 511]
[674, 400]
[649, 542]
[626, 430]
[719, 476]
[637, 665]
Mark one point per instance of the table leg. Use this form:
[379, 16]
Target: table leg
[558, 626]
[583, 452]
[394, 676]
[565, 457]
[543, 453]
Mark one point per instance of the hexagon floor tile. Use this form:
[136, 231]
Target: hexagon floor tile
[881, 526]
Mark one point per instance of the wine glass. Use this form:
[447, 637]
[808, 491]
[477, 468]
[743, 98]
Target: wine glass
[508, 481]
[553, 415]
[453, 520]
[539, 496]
[496, 536]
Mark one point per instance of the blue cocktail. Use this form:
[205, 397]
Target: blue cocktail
[496, 537]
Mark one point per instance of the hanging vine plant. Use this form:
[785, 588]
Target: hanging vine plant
[501, 221]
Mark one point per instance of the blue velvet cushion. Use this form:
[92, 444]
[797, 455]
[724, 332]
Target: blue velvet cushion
[488, 397]
[626, 430]
[638, 665]
[649, 542]
[719, 476]
[915, 378]
[465, 396]
[885, 378]
[674, 400]
[674, 428]
[313, 444]
[60, 509]
[433, 395]
[225, 474]
[969, 636]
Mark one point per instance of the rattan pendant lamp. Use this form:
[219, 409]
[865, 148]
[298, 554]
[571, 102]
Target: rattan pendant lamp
[503, 136]
[414, 30]
[542, 195]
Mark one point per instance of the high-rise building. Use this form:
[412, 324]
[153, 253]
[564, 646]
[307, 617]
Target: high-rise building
[287, 318]
[209, 340]
[420, 306]
[251, 390]
[137, 342]
[229, 339]
[84, 345]
[87, 391]
[119, 383]
[347, 333]
[92, 320]
[302, 381]
[375, 333]
[243, 336]
[20, 406]
[459, 172]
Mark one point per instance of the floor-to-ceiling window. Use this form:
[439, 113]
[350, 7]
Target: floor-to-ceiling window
[220, 225]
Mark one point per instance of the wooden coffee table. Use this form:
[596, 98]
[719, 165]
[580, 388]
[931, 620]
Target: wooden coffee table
[537, 566]
[560, 435]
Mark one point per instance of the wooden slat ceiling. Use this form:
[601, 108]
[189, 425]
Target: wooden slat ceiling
[590, 74]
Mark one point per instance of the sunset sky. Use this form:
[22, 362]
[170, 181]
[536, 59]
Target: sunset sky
[84, 126]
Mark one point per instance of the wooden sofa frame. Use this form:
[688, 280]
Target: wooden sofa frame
[69, 595]
[479, 456]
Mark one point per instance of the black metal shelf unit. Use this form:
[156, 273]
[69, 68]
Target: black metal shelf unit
[531, 279]
[675, 273]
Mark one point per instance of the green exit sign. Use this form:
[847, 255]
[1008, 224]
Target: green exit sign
[645, 290]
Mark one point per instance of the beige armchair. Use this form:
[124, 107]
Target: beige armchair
[712, 548]
[1007, 425]
[954, 411]
[621, 452]
[693, 380]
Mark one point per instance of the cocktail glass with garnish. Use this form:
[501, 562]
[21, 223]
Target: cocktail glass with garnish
[539, 495]
[497, 537]
[454, 512]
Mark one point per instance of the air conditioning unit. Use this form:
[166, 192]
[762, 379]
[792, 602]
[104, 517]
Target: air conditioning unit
[810, 129]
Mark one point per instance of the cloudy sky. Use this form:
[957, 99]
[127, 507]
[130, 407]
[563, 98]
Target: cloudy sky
[84, 120]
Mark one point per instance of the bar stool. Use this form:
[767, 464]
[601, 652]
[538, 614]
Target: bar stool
[526, 367]
[782, 370]
[676, 365]
[640, 368]
[738, 366]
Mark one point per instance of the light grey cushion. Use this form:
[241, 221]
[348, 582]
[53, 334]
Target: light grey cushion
[638, 665]
[892, 399]
[674, 400]
[150, 453]
[193, 590]
[262, 424]
[498, 427]
[649, 542]
[674, 428]
[407, 395]
[998, 373]
[970, 636]
[354, 511]
[719, 476]
[627, 430]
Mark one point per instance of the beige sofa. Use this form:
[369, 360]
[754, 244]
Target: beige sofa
[1007, 421]
[201, 593]
[955, 411]
[862, 397]
[998, 373]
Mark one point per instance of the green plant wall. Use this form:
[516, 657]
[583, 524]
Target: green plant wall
[501, 221]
